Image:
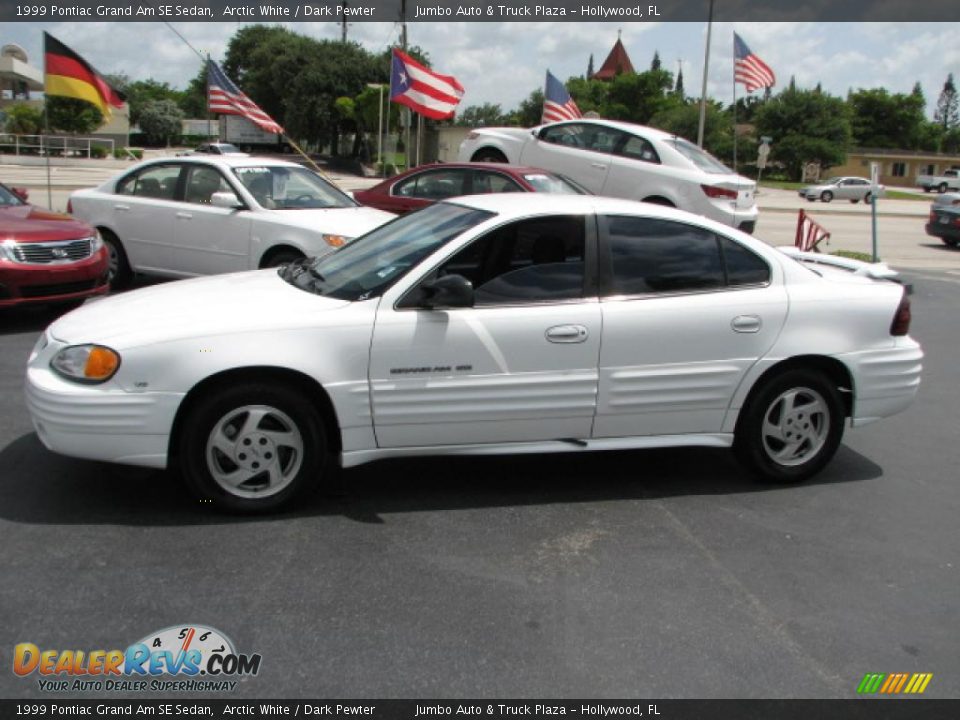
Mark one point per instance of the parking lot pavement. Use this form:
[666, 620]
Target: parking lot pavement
[631, 574]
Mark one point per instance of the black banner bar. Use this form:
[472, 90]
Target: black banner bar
[618, 11]
[861, 709]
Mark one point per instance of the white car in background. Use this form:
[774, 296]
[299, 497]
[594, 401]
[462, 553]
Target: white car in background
[201, 215]
[511, 323]
[853, 189]
[623, 160]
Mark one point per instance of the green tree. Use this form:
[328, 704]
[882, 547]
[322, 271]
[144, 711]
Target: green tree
[806, 126]
[530, 111]
[678, 87]
[24, 119]
[883, 120]
[141, 92]
[193, 100]
[684, 120]
[70, 115]
[486, 115]
[590, 67]
[655, 64]
[947, 114]
[637, 97]
[160, 120]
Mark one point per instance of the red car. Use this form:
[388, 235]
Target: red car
[47, 257]
[427, 184]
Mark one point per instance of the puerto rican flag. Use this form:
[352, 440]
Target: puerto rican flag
[431, 94]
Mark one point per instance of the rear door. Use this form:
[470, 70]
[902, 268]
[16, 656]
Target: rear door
[686, 313]
[143, 211]
[427, 187]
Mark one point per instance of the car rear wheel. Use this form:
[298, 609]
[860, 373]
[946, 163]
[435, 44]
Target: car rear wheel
[790, 427]
[951, 242]
[826, 196]
[120, 274]
[942, 188]
[489, 155]
[253, 448]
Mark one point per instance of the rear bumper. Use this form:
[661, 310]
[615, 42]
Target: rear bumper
[949, 231]
[886, 381]
[23, 284]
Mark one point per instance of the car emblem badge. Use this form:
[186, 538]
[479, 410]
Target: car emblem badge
[59, 253]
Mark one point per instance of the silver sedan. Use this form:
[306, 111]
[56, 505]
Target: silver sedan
[853, 189]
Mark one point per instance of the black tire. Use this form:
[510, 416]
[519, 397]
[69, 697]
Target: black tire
[867, 198]
[812, 423]
[826, 196]
[951, 242]
[489, 155]
[253, 448]
[942, 188]
[121, 275]
[281, 257]
[926, 189]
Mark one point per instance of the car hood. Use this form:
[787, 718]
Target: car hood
[350, 222]
[28, 223]
[207, 306]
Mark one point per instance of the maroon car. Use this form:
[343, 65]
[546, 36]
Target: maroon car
[47, 257]
[427, 184]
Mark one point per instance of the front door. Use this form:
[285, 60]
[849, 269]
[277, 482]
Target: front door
[520, 365]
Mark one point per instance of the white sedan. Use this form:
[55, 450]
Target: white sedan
[203, 215]
[488, 324]
[623, 160]
[853, 189]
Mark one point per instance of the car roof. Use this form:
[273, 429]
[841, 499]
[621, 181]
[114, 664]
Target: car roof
[500, 167]
[625, 126]
[228, 161]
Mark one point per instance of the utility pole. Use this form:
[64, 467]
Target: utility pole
[343, 22]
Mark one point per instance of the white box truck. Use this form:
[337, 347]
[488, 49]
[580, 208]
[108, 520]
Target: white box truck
[247, 136]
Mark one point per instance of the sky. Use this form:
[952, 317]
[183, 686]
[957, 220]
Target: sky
[503, 62]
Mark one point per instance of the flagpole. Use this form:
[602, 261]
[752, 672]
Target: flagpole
[209, 114]
[734, 108]
[706, 68]
[46, 126]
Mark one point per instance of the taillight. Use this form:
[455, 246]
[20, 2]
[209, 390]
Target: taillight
[719, 192]
[901, 319]
[70, 207]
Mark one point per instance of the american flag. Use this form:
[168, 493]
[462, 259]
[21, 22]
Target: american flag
[557, 103]
[749, 69]
[810, 233]
[227, 99]
[421, 89]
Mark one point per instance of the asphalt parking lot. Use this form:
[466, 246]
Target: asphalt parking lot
[663, 574]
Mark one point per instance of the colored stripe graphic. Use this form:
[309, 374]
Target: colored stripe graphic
[894, 683]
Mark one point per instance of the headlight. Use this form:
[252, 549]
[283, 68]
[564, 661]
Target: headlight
[96, 242]
[6, 250]
[335, 241]
[86, 363]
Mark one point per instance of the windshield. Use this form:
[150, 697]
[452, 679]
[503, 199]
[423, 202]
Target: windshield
[281, 187]
[369, 265]
[701, 158]
[8, 199]
[832, 181]
[547, 183]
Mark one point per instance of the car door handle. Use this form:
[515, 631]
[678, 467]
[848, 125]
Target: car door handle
[746, 323]
[122, 208]
[184, 215]
[567, 334]
[599, 166]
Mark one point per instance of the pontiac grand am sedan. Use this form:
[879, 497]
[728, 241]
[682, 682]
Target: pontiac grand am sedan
[491, 324]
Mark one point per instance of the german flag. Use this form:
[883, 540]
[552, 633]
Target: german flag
[69, 75]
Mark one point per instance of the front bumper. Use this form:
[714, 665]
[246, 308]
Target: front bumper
[98, 422]
[23, 284]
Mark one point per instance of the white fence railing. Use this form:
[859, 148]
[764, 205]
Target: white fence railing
[54, 145]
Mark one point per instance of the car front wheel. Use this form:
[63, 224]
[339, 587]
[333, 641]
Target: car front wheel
[120, 274]
[790, 427]
[253, 448]
[826, 196]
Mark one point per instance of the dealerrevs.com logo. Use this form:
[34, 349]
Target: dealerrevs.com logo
[180, 657]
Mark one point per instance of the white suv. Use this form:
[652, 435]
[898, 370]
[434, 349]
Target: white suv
[619, 159]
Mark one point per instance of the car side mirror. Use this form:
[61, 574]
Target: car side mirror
[21, 193]
[535, 133]
[449, 291]
[227, 200]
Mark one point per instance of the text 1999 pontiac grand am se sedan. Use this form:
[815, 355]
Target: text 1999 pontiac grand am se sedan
[489, 324]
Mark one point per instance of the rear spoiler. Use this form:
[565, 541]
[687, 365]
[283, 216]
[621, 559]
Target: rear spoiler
[876, 271]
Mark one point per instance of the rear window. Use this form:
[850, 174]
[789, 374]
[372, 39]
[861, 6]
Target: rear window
[699, 157]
